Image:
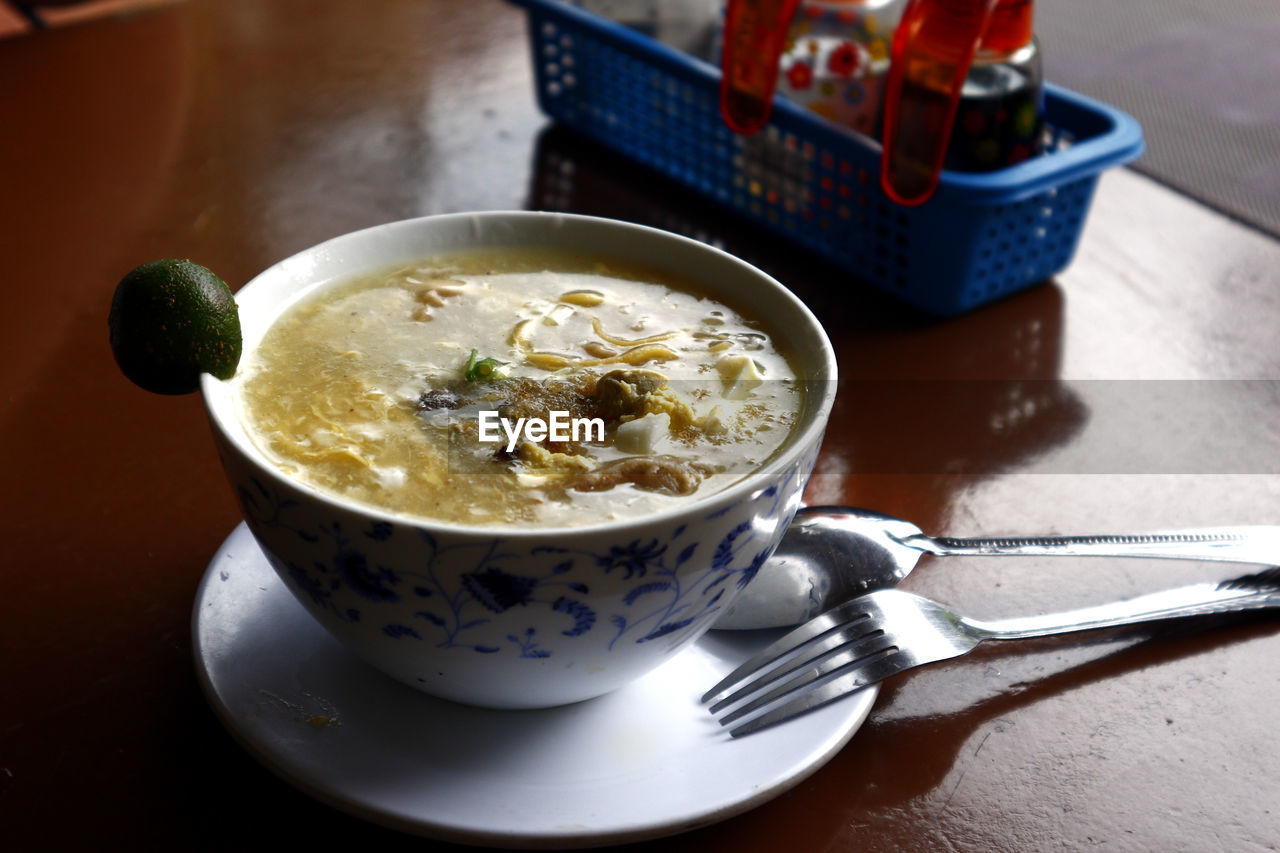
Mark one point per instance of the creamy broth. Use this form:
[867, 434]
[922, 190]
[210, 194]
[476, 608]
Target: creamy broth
[362, 390]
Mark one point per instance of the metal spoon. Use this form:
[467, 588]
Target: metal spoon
[833, 553]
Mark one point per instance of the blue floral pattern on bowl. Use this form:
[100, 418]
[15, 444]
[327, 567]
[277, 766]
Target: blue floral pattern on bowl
[442, 597]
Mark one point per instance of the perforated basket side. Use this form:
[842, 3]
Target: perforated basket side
[606, 84]
[979, 238]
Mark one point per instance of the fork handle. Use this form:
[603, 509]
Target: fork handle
[1258, 544]
[1194, 600]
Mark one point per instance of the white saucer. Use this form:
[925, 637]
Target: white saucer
[642, 762]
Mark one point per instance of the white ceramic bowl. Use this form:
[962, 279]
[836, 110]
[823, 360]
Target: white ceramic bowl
[521, 618]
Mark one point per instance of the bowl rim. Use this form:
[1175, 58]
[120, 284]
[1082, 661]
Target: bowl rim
[219, 398]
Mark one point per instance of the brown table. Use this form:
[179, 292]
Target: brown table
[238, 133]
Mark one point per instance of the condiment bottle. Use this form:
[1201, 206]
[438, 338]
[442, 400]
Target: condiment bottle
[964, 92]
[829, 55]
[836, 59]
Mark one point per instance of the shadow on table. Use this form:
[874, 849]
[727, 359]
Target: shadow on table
[926, 728]
[955, 701]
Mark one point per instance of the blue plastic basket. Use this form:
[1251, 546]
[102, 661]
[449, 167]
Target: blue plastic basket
[982, 236]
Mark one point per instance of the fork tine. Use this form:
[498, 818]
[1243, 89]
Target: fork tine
[805, 657]
[861, 675]
[785, 648]
[858, 652]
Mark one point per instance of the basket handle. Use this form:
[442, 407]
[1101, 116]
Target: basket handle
[933, 49]
[754, 34]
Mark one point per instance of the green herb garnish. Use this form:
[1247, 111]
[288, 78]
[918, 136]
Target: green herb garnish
[484, 369]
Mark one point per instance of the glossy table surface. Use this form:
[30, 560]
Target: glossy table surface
[1132, 392]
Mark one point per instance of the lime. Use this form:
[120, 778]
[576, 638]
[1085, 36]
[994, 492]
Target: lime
[170, 321]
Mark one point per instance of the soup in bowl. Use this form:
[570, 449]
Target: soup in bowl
[519, 459]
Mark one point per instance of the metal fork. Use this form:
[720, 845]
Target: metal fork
[881, 634]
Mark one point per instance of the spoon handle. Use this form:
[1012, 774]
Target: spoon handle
[1259, 544]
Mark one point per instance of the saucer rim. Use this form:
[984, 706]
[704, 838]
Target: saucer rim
[690, 820]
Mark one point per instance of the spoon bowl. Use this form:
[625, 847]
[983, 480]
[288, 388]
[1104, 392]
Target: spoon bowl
[831, 554]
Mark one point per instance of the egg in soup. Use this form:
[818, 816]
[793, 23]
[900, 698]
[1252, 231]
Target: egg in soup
[528, 389]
